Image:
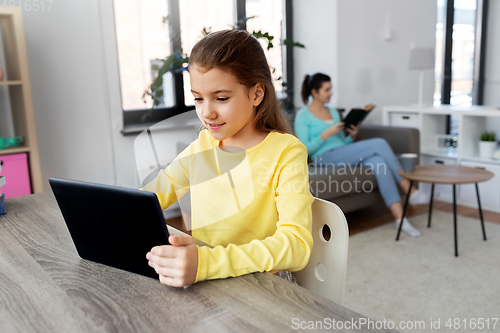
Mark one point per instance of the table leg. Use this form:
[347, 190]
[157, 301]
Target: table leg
[404, 210]
[480, 212]
[455, 219]
[430, 205]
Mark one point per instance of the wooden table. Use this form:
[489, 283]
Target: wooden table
[46, 287]
[445, 174]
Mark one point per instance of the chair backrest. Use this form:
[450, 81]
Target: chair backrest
[325, 274]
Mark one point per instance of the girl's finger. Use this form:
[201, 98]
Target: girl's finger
[164, 251]
[164, 261]
[181, 240]
[169, 272]
[170, 281]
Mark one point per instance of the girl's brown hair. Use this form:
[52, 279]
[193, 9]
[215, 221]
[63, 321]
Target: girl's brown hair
[242, 55]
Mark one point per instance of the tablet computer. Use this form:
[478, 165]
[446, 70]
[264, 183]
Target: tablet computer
[112, 225]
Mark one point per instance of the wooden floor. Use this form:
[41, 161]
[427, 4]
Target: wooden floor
[377, 215]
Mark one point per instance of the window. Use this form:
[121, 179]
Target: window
[464, 29]
[150, 30]
[141, 38]
[439, 70]
[459, 30]
[197, 15]
[267, 16]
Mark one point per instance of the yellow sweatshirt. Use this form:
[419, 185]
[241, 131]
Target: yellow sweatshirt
[253, 206]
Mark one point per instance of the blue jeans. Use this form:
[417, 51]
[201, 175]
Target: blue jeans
[375, 154]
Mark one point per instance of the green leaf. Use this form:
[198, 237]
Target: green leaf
[206, 32]
[260, 35]
[488, 136]
[289, 42]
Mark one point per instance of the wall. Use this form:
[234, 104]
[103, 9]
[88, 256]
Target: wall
[70, 93]
[315, 26]
[344, 39]
[375, 70]
[492, 72]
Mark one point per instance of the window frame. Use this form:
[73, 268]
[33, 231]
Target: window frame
[479, 55]
[133, 120]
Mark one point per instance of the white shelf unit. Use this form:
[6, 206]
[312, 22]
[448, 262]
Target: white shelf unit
[472, 121]
[17, 117]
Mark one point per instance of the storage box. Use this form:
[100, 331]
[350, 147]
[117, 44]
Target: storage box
[404, 120]
[16, 173]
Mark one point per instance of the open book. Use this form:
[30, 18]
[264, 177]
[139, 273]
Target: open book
[356, 116]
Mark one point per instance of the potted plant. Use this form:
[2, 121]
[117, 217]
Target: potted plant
[487, 145]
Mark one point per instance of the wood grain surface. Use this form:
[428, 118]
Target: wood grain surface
[46, 287]
[446, 174]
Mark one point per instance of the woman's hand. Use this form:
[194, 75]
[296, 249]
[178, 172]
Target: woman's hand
[176, 264]
[332, 130]
[353, 130]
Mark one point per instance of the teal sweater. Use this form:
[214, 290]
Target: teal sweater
[308, 129]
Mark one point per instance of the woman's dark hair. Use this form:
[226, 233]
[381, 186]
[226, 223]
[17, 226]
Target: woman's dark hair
[312, 83]
[241, 54]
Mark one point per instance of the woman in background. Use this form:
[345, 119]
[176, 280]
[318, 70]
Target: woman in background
[321, 130]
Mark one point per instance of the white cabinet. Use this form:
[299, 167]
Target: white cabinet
[489, 191]
[404, 120]
[472, 121]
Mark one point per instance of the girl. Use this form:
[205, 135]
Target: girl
[246, 174]
[320, 128]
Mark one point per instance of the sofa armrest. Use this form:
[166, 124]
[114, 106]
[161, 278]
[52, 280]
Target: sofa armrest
[401, 139]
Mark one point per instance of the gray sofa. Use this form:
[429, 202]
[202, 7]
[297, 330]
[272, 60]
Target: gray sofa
[356, 188]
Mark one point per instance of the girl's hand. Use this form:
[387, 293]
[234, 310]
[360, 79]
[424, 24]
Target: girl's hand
[176, 264]
[332, 131]
[353, 130]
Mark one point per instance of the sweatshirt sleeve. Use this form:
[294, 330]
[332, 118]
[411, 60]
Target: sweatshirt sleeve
[289, 248]
[173, 181]
[347, 139]
[302, 130]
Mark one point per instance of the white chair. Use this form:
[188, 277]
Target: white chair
[325, 274]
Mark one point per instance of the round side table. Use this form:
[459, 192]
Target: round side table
[445, 174]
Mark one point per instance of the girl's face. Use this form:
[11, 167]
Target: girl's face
[324, 93]
[225, 106]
